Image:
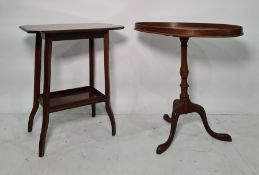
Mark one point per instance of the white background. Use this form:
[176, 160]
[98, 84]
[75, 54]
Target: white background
[144, 67]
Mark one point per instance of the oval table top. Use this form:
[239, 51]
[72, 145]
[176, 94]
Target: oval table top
[183, 29]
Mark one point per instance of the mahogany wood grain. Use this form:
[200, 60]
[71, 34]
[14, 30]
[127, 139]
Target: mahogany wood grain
[184, 31]
[70, 98]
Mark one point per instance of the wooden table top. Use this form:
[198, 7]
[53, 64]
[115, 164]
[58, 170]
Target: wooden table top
[183, 29]
[63, 28]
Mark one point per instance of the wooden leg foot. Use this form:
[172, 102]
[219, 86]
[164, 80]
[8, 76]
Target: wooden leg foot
[166, 117]
[111, 116]
[32, 115]
[200, 110]
[163, 147]
[93, 110]
[43, 134]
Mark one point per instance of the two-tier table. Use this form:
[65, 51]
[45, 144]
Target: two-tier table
[184, 31]
[70, 98]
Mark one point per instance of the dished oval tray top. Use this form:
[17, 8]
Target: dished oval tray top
[183, 29]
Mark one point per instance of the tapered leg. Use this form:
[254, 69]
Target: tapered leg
[200, 110]
[37, 71]
[46, 95]
[107, 82]
[174, 119]
[91, 68]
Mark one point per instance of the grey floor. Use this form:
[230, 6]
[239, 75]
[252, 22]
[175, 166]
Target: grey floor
[78, 144]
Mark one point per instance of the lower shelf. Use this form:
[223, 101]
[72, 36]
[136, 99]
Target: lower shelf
[71, 98]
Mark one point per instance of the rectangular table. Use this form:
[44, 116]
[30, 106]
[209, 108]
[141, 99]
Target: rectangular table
[70, 98]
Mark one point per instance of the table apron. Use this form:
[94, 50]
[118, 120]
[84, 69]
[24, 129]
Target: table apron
[72, 35]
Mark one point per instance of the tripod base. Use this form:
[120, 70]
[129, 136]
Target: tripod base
[185, 107]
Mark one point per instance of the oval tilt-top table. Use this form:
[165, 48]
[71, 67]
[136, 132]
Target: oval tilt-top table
[184, 31]
[70, 98]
